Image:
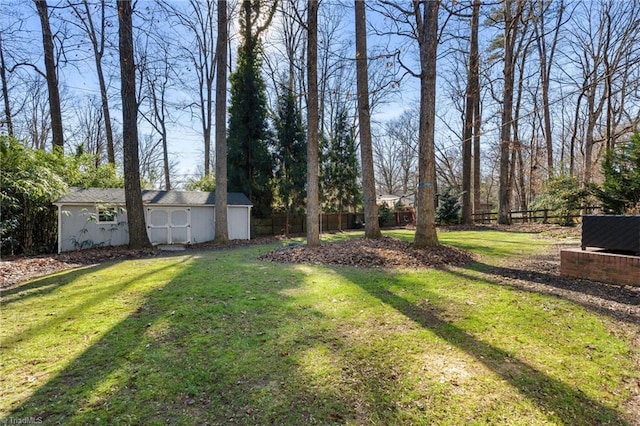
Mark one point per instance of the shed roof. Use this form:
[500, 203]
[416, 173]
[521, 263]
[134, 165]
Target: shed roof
[170, 198]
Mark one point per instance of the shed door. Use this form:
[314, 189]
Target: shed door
[169, 225]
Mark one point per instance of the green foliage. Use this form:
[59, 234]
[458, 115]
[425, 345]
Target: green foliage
[620, 191]
[290, 154]
[204, 183]
[340, 186]
[448, 210]
[30, 180]
[250, 165]
[384, 214]
[564, 196]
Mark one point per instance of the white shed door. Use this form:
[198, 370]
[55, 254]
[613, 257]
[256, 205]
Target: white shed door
[169, 225]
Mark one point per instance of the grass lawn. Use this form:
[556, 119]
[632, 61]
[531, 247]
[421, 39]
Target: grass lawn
[220, 337]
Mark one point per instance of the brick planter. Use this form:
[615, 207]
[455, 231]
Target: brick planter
[600, 266]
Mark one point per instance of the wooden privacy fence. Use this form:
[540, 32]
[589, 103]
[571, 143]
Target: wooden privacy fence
[532, 216]
[276, 224]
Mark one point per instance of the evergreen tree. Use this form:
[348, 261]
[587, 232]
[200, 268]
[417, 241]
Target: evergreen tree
[342, 189]
[250, 165]
[620, 191]
[291, 155]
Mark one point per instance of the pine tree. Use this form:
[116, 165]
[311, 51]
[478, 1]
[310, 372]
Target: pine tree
[620, 191]
[250, 165]
[291, 155]
[342, 189]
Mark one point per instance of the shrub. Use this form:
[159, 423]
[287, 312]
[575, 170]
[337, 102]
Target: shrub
[448, 210]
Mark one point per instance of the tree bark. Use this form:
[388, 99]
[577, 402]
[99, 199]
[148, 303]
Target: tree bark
[469, 116]
[427, 27]
[313, 205]
[55, 110]
[546, 62]
[504, 191]
[477, 124]
[97, 44]
[138, 237]
[371, 225]
[222, 233]
[5, 91]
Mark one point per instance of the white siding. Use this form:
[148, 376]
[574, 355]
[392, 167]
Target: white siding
[79, 229]
[202, 224]
[238, 222]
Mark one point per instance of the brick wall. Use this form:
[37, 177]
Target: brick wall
[596, 265]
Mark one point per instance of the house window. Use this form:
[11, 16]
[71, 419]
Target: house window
[108, 215]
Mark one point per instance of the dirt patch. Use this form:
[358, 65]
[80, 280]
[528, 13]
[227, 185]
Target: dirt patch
[385, 252]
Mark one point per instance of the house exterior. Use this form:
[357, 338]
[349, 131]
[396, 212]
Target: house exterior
[405, 200]
[95, 217]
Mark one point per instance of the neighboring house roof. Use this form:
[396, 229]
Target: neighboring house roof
[406, 199]
[169, 198]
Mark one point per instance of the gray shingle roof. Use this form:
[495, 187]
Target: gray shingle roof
[170, 198]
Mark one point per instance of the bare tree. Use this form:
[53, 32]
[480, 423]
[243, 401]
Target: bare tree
[372, 227]
[5, 90]
[96, 32]
[546, 52]
[155, 82]
[313, 207]
[138, 237]
[426, 24]
[472, 93]
[420, 24]
[199, 50]
[88, 135]
[604, 43]
[221, 233]
[38, 120]
[511, 19]
[55, 108]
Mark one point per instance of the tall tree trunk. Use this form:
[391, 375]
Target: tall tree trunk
[469, 115]
[5, 91]
[427, 28]
[165, 157]
[55, 109]
[477, 123]
[138, 237]
[546, 62]
[504, 191]
[313, 205]
[222, 232]
[98, 43]
[371, 225]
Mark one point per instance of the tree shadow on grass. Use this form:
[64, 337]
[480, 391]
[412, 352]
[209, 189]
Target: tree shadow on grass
[44, 285]
[99, 293]
[562, 402]
[616, 301]
[216, 344]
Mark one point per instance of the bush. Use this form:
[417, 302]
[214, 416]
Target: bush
[384, 214]
[448, 210]
[564, 196]
[28, 185]
[620, 191]
[30, 180]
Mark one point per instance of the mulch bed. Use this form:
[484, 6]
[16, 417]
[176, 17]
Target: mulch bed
[385, 252]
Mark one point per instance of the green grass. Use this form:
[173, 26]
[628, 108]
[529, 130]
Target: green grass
[220, 338]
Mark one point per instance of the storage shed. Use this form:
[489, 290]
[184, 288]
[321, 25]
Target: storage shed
[95, 217]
